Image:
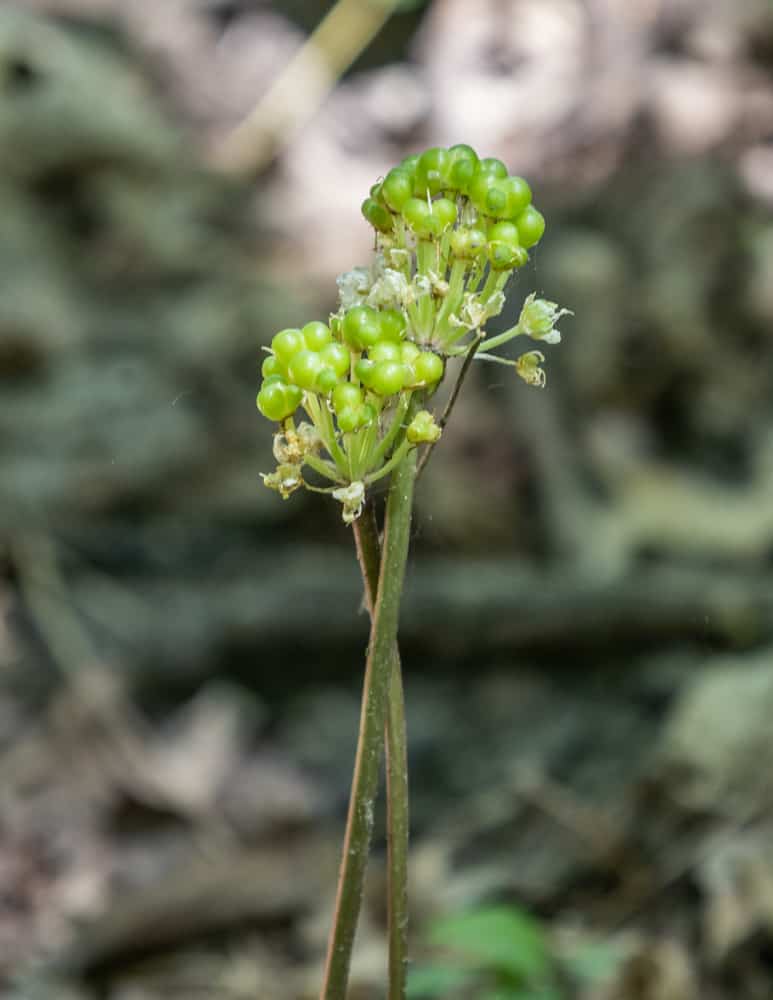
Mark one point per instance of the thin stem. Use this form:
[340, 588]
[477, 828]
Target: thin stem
[369, 555]
[378, 670]
[399, 454]
[501, 338]
[468, 358]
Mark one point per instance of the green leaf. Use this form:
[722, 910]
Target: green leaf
[427, 981]
[501, 938]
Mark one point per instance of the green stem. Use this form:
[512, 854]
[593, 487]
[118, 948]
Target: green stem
[399, 454]
[369, 555]
[501, 338]
[378, 670]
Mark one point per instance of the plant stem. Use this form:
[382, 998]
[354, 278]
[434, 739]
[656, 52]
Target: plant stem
[398, 825]
[378, 671]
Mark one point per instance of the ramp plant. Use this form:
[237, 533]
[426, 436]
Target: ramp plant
[354, 398]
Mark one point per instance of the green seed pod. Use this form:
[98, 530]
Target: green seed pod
[408, 352]
[368, 413]
[393, 325]
[275, 402]
[337, 357]
[495, 200]
[444, 211]
[361, 327]
[385, 350]
[432, 171]
[428, 367]
[346, 395]
[316, 335]
[503, 232]
[377, 215]
[531, 226]
[304, 369]
[492, 166]
[423, 429]
[364, 371]
[478, 190]
[397, 188]
[418, 216]
[349, 418]
[327, 380]
[387, 378]
[467, 242]
[503, 256]
[518, 195]
[464, 160]
[272, 366]
[287, 343]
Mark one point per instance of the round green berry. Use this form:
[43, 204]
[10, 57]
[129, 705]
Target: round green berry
[503, 232]
[467, 242]
[385, 350]
[316, 335]
[387, 378]
[304, 369]
[444, 212]
[393, 325]
[492, 166]
[464, 160]
[503, 256]
[287, 343]
[364, 371]
[417, 213]
[432, 171]
[397, 188]
[349, 418]
[346, 395]
[493, 200]
[361, 327]
[368, 413]
[428, 367]
[518, 195]
[478, 189]
[408, 352]
[337, 357]
[409, 163]
[531, 226]
[377, 215]
[274, 402]
[327, 380]
[272, 366]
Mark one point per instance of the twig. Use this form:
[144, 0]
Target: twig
[468, 358]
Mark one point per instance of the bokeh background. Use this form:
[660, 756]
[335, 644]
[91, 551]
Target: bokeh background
[588, 624]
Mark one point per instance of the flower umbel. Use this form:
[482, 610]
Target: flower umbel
[451, 230]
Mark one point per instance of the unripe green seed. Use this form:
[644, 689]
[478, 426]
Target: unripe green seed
[364, 371]
[346, 395]
[287, 343]
[467, 242]
[478, 190]
[428, 367]
[531, 226]
[423, 429]
[518, 195]
[377, 215]
[337, 357]
[274, 401]
[444, 211]
[327, 380]
[492, 166]
[432, 171]
[368, 413]
[388, 378]
[408, 352]
[495, 200]
[418, 215]
[304, 369]
[316, 335]
[393, 325]
[397, 188]
[272, 366]
[409, 163]
[349, 418]
[503, 256]
[385, 350]
[361, 327]
[503, 232]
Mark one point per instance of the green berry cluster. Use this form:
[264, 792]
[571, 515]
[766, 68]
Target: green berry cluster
[451, 228]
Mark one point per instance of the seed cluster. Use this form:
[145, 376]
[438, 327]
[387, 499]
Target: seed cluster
[450, 230]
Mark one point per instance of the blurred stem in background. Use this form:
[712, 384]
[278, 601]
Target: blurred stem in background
[345, 31]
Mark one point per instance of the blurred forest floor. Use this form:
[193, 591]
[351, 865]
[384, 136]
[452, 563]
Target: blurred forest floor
[588, 627]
